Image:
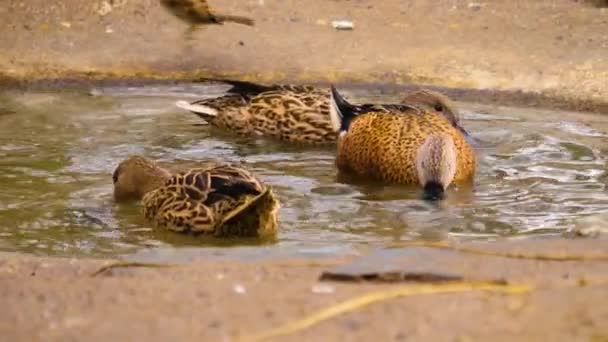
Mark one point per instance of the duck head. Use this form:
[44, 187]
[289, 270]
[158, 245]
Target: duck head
[433, 100]
[136, 176]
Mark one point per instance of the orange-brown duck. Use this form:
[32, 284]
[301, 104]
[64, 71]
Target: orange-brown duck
[401, 143]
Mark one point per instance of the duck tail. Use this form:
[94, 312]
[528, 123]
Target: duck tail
[470, 139]
[247, 88]
[341, 112]
[436, 165]
[235, 19]
[197, 108]
[268, 207]
[258, 198]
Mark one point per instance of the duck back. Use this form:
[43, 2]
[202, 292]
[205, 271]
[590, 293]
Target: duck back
[223, 201]
[295, 114]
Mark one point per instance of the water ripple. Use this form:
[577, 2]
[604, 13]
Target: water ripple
[535, 177]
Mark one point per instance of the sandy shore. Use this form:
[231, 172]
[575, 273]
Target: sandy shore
[547, 53]
[55, 299]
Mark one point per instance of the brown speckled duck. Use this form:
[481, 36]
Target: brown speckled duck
[222, 200]
[297, 114]
[403, 143]
[292, 113]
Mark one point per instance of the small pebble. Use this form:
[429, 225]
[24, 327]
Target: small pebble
[240, 289]
[343, 24]
[323, 289]
[590, 227]
[475, 6]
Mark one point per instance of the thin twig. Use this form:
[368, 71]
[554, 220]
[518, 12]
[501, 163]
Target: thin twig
[120, 264]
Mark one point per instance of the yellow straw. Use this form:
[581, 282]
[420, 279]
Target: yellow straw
[378, 296]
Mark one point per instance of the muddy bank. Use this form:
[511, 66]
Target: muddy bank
[56, 299]
[549, 53]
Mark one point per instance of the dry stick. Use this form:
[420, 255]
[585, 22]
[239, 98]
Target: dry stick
[128, 264]
[378, 296]
[546, 257]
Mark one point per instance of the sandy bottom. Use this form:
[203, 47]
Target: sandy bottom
[56, 299]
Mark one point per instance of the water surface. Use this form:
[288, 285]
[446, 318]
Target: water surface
[539, 173]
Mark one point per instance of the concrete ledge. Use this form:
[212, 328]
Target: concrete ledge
[552, 51]
[56, 299]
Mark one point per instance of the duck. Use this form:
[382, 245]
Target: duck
[401, 143]
[197, 12]
[292, 113]
[221, 200]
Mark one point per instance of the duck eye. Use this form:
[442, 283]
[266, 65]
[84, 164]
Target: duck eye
[438, 107]
[115, 176]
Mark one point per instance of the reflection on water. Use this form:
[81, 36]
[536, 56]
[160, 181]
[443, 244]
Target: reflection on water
[539, 172]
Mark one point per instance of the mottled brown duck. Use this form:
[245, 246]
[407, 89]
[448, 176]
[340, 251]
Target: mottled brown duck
[220, 200]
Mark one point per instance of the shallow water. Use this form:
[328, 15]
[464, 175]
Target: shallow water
[539, 173]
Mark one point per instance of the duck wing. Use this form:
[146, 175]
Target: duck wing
[240, 94]
[208, 109]
[200, 200]
[231, 190]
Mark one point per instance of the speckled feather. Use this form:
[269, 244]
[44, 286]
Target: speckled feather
[295, 113]
[298, 114]
[382, 142]
[222, 200]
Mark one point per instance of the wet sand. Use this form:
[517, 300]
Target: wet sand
[56, 299]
